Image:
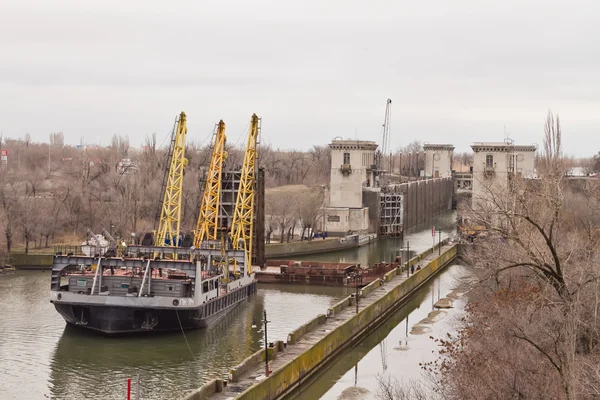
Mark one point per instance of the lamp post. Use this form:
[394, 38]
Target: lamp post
[407, 249]
[254, 326]
[400, 165]
[357, 282]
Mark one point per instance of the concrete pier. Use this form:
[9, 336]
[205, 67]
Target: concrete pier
[311, 346]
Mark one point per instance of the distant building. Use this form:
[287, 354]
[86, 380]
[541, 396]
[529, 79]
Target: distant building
[438, 160]
[126, 166]
[352, 169]
[494, 163]
[576, 172]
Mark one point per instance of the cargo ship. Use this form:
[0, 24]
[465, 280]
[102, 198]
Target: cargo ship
[168, 283]
[141, 289]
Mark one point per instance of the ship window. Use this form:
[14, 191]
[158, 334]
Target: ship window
[346, 158]
[205, 287]
[81, 282]
[170, 288]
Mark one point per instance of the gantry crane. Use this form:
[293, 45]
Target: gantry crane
[207, 227]
[242, 226]
[170, 215]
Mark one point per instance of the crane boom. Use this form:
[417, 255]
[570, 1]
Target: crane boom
[170, 215]
[242, 226]
[207, 226]
[385, 140]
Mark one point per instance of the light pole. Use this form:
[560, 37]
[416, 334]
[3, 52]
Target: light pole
[254, 326]
[407, 249]
[357, 283]
[439, 231]
[400, 163]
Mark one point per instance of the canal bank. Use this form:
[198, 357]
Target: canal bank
[316, 343]
[394, 350]
[317, 246]
[31, 261]
[61, 363]
[66, 364]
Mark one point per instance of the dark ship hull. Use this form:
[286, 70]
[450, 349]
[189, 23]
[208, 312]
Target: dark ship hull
[122, 320]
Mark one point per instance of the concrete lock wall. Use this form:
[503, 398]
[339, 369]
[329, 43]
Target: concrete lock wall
[317, 245]
[367, 290]
[257, 358]
[425, 200]
[306, 328]
[302, 366]
[372, 200]
[339, 307]
[207, 390]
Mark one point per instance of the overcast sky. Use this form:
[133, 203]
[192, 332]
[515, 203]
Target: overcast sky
[456, 71]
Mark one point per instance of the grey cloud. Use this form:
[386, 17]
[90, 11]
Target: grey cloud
[456, 71]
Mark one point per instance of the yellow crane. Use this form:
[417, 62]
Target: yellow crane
[207, 226]
[242, 226]
[170, 215]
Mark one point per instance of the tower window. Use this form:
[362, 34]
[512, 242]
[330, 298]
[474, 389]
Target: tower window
[346, 158]
[489, 161]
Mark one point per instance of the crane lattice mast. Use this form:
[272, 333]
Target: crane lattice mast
[170, 215]
[385, 140]
[242, 226]
[207, 227]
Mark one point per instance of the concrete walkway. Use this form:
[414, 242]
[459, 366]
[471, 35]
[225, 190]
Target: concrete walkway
[257, 374]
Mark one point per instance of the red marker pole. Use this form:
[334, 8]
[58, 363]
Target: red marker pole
[128, 388]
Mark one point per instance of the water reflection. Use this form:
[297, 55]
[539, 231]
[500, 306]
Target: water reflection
[165, 363]
[389, 348]
[386, 249]
[86, 365]
[40, 358]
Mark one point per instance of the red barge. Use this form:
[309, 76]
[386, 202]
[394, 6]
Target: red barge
[321, 273]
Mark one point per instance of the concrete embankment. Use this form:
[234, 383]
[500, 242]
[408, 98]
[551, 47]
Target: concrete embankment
[310, 347]
[316, 246]
[31, 261]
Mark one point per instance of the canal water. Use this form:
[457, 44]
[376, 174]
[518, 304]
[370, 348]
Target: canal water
[390, 351]
[40, 357]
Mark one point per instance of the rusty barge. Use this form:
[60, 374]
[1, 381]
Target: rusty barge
[322, 273]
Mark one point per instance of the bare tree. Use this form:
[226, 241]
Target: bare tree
[119, 146]
[57, 139]
[29, 219]
[310, 204]
[390, 388]
[534, 318]
[282, 207]
[10, 209]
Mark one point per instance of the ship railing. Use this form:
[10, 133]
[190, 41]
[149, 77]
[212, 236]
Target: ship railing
[64, 249]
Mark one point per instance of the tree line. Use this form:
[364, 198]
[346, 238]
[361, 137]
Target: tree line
[53, 193]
